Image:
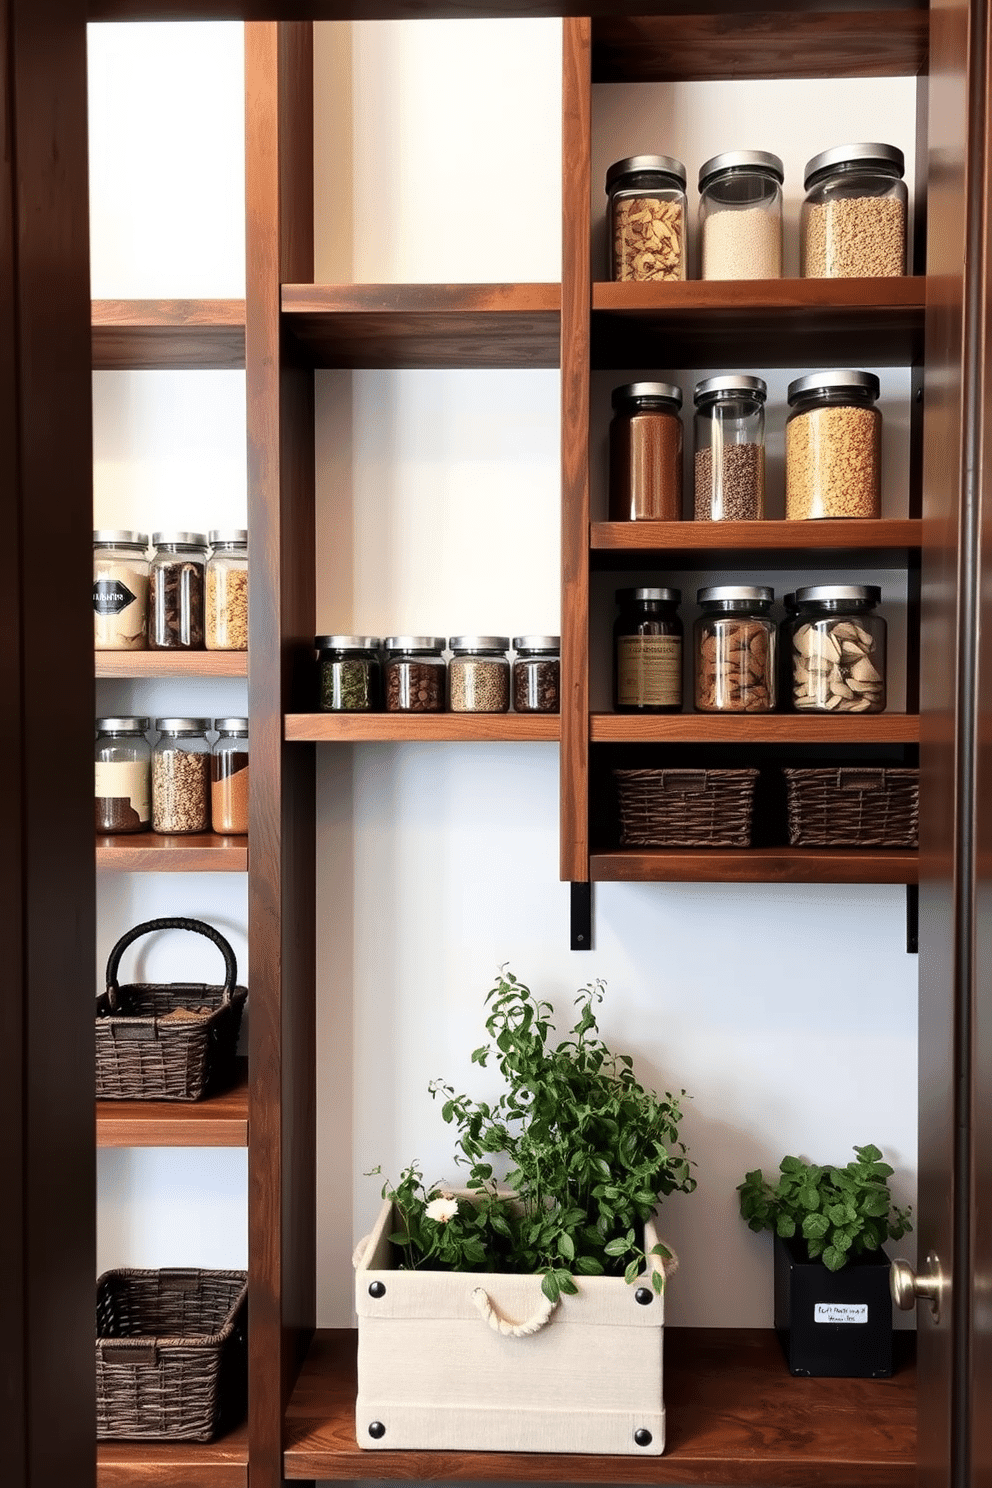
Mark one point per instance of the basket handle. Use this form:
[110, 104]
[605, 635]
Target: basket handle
[860, 779]
[128, 1353]
[177, 922]
[687, 781]
[504, 1325]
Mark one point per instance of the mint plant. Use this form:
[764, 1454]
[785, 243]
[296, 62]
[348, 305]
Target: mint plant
[585, 1149]
[839, 1212]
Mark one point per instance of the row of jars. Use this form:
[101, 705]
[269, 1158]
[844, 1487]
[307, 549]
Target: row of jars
[832, 651]
[191, 594]
[181, 785]
[408, 674]
[852, 223]
[833, 439]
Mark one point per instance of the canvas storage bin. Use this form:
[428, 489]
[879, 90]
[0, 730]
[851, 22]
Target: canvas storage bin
[435, 1373]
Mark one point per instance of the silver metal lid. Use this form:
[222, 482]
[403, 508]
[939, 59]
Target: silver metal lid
[182, 725]
[636, 392]
[346, 643]
[838, 379]
[461, 644]
[663, 165]
[874, 154]
[122, 725]
[415, 643]
[867, 593]
[669, 596]
[732, 382]
[228, 535]
[181, 539]
[104, 535]
[231, 725]
[756, 593]
[789, 601]
[536, 643]
[741, 160]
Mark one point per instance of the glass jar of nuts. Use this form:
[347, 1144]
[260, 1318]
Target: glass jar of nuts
[833, 439]
[415, 674]
[730, 449]
[646, 218]
[853, 221]
[537, 674]
[837, 645]
[734, 646]
[479, 674]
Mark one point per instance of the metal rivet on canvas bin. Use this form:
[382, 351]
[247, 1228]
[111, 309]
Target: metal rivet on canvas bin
[377, 1290]
[642, 1437]
[643, 1296]
[376, 1430]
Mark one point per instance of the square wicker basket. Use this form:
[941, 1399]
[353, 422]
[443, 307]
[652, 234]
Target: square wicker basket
[685, 808]
[853, 807]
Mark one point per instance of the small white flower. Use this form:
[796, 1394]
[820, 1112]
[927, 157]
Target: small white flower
[442, 1209]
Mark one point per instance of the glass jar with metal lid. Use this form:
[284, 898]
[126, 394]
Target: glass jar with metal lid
[122, 770]
[853, 221]
[740, 216]
[646, 453]
[537, 674]
[181, 776]
[415, 674]
[226, 605]
[837, 646]
[349, 674]
[479, 674]
[647, 651]
[120, 590]
[734, 646]
[646, 218]
[833, 440]
[729, 467]
[229, 776]
[175, 591]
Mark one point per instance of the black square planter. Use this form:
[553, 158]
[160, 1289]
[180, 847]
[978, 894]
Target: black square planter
[833, 1323]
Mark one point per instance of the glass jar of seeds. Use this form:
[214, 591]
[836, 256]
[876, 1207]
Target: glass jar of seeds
[226, 605]
[537, 674]
[833, 440]
[729, 465]
[647, 651]
[229, 776]
[175, 591]
[415, 674]
[740, 216]
[646, 453]
[853, 221]
[735, 650]
[122, 769]
[837, 646]
[120, 591]
[646, 218]
[479, 674]
[181, 776]
[349, 676]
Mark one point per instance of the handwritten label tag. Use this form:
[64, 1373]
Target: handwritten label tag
[840, 1312]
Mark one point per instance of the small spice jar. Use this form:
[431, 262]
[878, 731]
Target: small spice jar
[833, 441]
[740, 215]
[229, 776]
[729, 467]
[349, 676]
[537, 674]
[479, 674]
[120, 591]
[647, 651]
[122, 769]
[226, 605]
[853, 221]
[415, 674]
[647, 216]
[734, 645]
[646, 453]
[181, 776]
[175, 591]
[837, 645]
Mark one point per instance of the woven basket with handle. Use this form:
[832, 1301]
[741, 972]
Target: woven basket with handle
[854, 807]
[685, 808]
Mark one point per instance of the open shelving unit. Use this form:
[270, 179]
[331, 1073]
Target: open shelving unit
[218, 1121]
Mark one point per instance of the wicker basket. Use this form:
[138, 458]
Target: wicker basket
[171, 1041]
[685, 808]
[857, 807]
[171, 1353]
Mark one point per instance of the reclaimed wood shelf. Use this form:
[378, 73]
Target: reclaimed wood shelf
[824, 865]
[481, 728]
[168, 335]
[424, 325]
[151, 852]
[217, 1464]
[221, 1121]
[137, 664]
[755, 728]
[888, 542]
[735, 1416]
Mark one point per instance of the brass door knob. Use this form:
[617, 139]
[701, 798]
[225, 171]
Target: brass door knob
[908, 1288]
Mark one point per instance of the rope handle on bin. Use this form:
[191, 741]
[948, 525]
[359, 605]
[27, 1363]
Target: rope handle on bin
[177, 922]
[499, 1323]
[358, 1254]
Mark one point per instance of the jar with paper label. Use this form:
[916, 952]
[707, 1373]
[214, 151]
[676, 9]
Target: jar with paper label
[837, 646]
[120, 591]
[735, 650]
[740, 215]
[122, 771]
[647, 651]
[647, 214]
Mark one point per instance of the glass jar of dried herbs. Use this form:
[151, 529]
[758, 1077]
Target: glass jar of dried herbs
[175, 591]
[349, 676]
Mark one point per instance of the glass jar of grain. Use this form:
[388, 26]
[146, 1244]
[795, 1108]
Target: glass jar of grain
[646, 218]
[740, 216]
[181, 776]
[120, 591]
[833, 446]
[415, 674]
[122, 769]
[837, 646]
[537, 674]
[729, 466]
[226, 606]
[853, 221]
[349, 677]
[734, 648]
[229, 776]
[646, 453]
[175, 591]
[479, 674]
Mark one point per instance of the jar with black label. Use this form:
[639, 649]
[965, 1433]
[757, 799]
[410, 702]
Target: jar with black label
[735, 650]
[181, 776]
[647, 214]
[229, 776]
[837, 645]
[120, 591]
[175, 592]
[537, 674]
[646, 453]
[122, 770]
[647, 651]
[415, 674]
[349, 676]
[853, 221]
[226, 602]
[479, 674]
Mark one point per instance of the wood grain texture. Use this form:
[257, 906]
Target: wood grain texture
[171, 663]
[735, 1416]
[218, 1464]
[221, 1121]
[154, 852]
[357, 728]
[160, 335]
[756, 865]
[754, 728]
[762, 544]
[399, 10]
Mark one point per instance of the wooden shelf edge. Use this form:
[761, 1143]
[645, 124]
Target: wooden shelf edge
[428, 299]
[824, 865]
[217, 1464]
[753, 728]
[475, 728]
[165, 335]
[149, 852]
[900, 534]
[137, 664]
[689, 296]
[220, 1121]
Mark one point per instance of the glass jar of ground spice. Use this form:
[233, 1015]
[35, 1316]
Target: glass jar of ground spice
[122, 770]
[646, 218]
[415, 674]
[647, 651]
[537, 674]
[833, 440]
[734, 646]
[349, 676]
[120, 591]
[853, 221]
[646, 453]
[740, 215]
[175, 591]
[479, 674]
[229, 776]
[226, 603]
[729, 466]
[837, 646]
[181, 776]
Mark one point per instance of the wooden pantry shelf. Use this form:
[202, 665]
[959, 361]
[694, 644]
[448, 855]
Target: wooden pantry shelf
[735, 545]
[136, 664]
[481, 728]
[221, 1121]
[880, 865]
[735, 1416]
[217, 1464]
[424, 325]
[150, 852]
[166, 335]
[754, 728]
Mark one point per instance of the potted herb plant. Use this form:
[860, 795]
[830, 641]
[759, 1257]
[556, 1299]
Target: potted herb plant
[833, 1312]
[524, 1311]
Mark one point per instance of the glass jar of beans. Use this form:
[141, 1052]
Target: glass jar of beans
[837, 645]
[740, 216]
[646, 219]
[415, 674]
[537, 674]
[730, 449]
[853, 221]
[646, 453]
[181, 776]
[479, 674]
[833, 440]
[735, 650]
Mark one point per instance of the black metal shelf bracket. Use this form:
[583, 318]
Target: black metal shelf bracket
[912, 919]
[581, 916]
